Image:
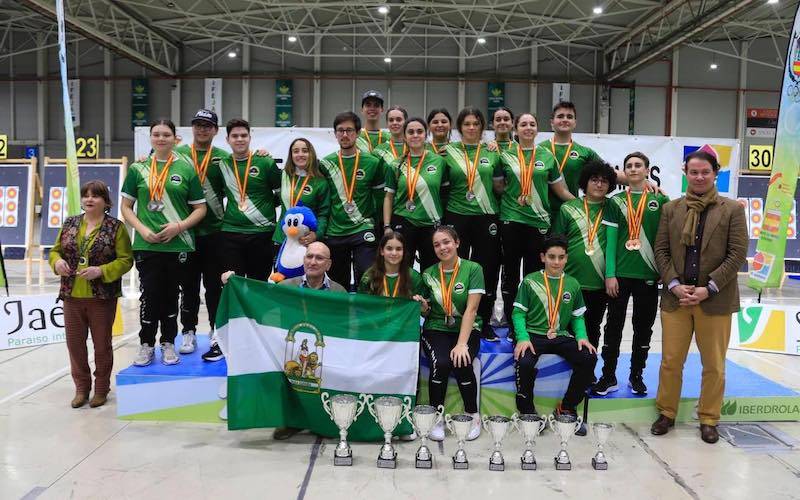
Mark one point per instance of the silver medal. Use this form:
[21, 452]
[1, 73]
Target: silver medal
[450, 321]
[155, 206]
[470, 196]
[349, 207]
[410, 206]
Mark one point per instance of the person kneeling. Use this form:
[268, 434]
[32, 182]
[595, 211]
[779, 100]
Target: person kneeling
[549, 304]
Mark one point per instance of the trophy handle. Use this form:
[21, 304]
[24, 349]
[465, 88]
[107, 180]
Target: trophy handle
[370, 405]
[439, 414]
[363, 399]
[485, 421]
[542, 425]
[326, 403]
[407, 411]
[515, 421]
[578, 424]
[448, 422]
[551, 420]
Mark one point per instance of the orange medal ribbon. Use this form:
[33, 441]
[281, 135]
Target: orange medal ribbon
[593, 227]
[202, 167]
[411, 181]
[566, 154]
[394, 151]
[447, 290]
[241, 185]
[553, 304]
[158, 180]
[635, 219]
[472, 166]
[386, 287]
[369, 139]
[292, 198]
[526, 170]
[349, 187]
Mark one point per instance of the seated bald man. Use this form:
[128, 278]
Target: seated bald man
[316, 264]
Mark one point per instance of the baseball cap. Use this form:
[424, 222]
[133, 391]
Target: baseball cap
[207, 116]
[372, 94]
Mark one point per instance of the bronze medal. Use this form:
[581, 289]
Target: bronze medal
[589, 250]
[630, 245]
[637, 244]
[551, 334]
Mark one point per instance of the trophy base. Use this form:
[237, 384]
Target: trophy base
[343, 461]
[527, 465]
[423, 464]
[497, 467]
[460, 465]
[599, 465]
[562, 466]
[387, 463]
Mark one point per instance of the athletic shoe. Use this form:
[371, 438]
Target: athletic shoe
[437, 433]
[605, 385]
[189, 343]
[637, 385]
[168, 354]
[214, 353]
[487, 333]
[145, 355]
[475, 431]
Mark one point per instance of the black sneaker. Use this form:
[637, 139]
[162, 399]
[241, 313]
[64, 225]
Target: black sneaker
[605, 385]
[213, 354]
[487, 333]
[637, 385]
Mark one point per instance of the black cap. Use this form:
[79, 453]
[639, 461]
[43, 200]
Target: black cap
[207, 116]
[371, 94]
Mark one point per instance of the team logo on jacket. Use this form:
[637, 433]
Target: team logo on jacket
[183, 257]
[253, 172]
[176, 179]
[459, 288]
[493, 229]
[539, 164]
[360, 174]
[307, 190]
[566, 298]
[653, 205]
[431, 169]
[369, 237]
[573, 155]
[484, 161]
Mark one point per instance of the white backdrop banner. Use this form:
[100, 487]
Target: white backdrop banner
[666, 153]
[30, 320]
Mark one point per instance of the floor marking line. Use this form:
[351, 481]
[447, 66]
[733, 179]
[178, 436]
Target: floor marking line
[32, 349]
[675, 476]
[312, 460]
[34, 493]
[109, 438]
[54, 376]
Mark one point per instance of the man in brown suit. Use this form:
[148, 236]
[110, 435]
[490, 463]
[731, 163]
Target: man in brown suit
[700, 246]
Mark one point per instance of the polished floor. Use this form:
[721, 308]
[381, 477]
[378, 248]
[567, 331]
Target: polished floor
[52, 451]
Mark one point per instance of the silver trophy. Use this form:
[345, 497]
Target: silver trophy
[460, 425]
[529, 425]
[497, 426]
[343, 409]
[602, 431]
[388, 411]
[424, 418]
[564, 425]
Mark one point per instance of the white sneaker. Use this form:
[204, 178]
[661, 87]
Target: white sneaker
[168, 354]
[475, 431]
[189, 343]
[145, 355]
[437, 433]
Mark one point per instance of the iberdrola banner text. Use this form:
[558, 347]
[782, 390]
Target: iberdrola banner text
[285, 346]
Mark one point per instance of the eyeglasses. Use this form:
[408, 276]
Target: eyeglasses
[599, 180]
[345, 131]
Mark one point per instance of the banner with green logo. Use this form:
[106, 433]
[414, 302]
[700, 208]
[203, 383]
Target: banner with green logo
[139, 102]
[496, 97]
[287, 346]
[767, 268]
[284, 117]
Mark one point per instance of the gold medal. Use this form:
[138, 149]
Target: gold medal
[411, 180]
[553, 304]
[589, 250]
[551, 334]
[241, 185]
[472, 170]
[447, 293]
[349, 187]
[522, 200]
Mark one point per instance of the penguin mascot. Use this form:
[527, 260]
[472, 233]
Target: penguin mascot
[297, 222]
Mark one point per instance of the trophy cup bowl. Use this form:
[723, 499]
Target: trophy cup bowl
[602, 431]
[343, 409]
[497, 426]
[529, 425]
[460, 425]
[388, 411]
[423, 419]
[565, 426]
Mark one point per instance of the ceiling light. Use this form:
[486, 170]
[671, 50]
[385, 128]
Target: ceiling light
[481, 40]
[232, 54]
[598, 10]
[387, 59]
[713, 65]
[292, 39]
[383, 9]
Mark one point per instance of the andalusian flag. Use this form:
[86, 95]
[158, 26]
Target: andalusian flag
[73, 180]
[285, 346]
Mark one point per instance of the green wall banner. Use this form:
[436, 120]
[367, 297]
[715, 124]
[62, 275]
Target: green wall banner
[139, 102]
[496, 97]
[284, 117]
[766, 270]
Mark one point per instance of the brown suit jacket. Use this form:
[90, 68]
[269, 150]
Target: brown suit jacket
[722, 254]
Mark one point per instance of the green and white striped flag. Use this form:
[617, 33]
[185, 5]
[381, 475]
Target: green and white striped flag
[284, 346]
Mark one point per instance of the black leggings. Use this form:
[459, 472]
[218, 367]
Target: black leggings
[521, 243]
[480, 242]
[205, 263]
[248, 255]
[437, 347]
[418, 239]
[159, 279]
[356, 250]
[645, 308]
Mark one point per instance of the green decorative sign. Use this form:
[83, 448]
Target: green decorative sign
[284, 117]
[496, 97]
[140, 115]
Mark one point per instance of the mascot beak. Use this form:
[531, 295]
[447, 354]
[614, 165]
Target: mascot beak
[292, 232]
